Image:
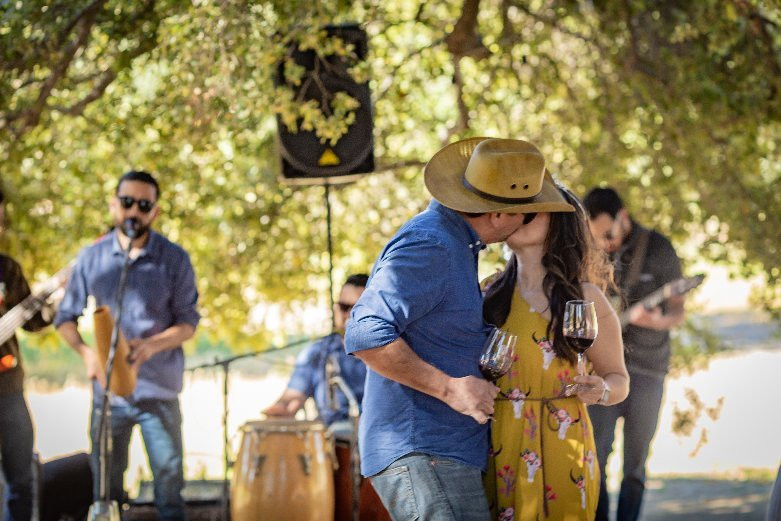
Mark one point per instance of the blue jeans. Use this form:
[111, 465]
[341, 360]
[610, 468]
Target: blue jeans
[16, 452]
[640, 411]
[432, 488]
[161, 429]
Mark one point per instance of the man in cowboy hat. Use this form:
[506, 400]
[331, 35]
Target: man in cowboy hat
[419, 327]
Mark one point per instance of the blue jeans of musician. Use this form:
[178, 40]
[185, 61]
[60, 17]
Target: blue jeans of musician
[161, 430]
[640, 411]
[16, 452]
[432, 488]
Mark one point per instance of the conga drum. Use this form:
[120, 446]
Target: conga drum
[370, 505]
[284, 470]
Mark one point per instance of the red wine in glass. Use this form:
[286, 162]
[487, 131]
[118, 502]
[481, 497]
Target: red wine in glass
[497, 355]
[579, 344]
[580, 329]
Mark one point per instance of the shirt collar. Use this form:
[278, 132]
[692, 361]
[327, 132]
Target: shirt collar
[460, 224]
[149, 248]
[629, 241]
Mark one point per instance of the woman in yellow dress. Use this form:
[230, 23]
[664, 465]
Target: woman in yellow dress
[543, 463]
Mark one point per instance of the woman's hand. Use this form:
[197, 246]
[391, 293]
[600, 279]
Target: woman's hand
[590, 388]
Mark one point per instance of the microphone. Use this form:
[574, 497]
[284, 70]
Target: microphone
[331, 370]
[130, 227]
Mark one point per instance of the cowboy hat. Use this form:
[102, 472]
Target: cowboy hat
[481, 174]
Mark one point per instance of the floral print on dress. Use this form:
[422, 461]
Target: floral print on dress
[513, 373]
[531, 419]
[533, 463]
[518, 397]
[507, 514]
[548, 354]
[506, 481]
[588, 460]
[564, 379]
[580, 482]
[550, 494]
[564, 419]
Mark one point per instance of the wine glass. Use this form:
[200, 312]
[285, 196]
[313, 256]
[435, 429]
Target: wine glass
[580, 330]
[497, 355]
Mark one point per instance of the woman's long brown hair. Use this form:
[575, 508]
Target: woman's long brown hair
[571, 257]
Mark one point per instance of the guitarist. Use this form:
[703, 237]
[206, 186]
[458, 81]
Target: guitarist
[644, 261]
[16, 428]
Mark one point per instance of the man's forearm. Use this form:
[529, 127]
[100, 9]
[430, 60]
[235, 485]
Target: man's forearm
[70, 333]
[172, 337]
[398, 362]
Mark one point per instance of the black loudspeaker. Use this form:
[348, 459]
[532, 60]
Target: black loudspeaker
[66, 488]
[305, 160]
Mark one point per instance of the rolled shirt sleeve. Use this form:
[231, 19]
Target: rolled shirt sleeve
[399, 292]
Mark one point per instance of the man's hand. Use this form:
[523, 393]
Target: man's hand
[472, 396]
[279, 409]
[287, 405]
[93, 366]
[141, 350]
[639, 316]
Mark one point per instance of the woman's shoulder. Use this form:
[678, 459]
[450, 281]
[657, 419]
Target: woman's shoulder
[593, 293]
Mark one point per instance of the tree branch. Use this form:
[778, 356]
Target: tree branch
[464, 39]
[31, 116]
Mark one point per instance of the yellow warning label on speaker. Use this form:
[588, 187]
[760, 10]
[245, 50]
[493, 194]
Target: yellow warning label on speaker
[329, 158]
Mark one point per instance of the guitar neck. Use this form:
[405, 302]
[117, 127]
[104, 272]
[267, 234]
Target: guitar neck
[671, 289]
[18, 315]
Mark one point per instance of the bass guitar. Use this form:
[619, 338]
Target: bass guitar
[24, 311]
[671, 289]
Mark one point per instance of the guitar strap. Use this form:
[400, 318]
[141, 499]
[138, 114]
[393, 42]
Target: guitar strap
[638, 258]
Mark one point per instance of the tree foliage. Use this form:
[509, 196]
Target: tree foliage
[676, 104]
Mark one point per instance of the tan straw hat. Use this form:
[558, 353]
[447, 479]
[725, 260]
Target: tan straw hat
[482, 174]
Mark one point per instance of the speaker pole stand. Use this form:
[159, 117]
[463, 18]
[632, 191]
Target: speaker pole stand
[330, 252]
[226, 457]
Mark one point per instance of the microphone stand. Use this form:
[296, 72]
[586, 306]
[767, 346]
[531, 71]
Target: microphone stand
[353, 411]
[105, 509]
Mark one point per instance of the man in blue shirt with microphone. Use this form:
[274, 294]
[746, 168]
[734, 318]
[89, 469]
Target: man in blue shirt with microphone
[159, 313]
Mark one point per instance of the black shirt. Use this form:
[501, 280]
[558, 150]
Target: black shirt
[647, 350]
[13, 290]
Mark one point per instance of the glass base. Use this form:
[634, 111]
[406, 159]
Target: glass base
[573, 389]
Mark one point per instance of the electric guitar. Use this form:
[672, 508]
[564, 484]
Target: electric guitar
[24, 311]
[671, 289]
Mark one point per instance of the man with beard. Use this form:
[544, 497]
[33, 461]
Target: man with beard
[310, 377]
[159, 313]
[644, 261]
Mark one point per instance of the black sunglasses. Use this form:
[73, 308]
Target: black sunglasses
[344, 307]
[144, 205]
[529, 217]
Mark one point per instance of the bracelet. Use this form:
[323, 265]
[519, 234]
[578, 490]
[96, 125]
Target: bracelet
[605, 394]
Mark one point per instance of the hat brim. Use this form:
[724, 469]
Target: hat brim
[443, 176]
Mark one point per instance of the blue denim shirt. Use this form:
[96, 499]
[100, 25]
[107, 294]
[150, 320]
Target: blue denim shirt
[424, 289]
[309, 376]
[160, 293]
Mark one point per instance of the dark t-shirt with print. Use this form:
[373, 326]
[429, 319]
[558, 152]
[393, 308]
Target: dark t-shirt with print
[647, 350]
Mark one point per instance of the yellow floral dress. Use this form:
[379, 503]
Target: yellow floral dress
[543, 463]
